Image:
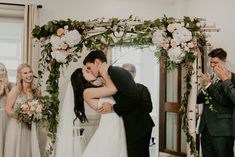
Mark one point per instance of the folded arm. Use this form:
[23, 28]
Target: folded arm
[11, 100]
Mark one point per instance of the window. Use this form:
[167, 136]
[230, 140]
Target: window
[147, 68]
[11, 35]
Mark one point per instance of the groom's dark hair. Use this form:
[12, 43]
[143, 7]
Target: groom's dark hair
[96, 54]
[218, 52]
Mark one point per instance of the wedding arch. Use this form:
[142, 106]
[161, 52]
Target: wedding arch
[176, 41]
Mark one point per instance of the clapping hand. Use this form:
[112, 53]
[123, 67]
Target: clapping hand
[222, 72]
[205, 80]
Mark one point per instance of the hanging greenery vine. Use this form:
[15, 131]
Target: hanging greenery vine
[64, 40]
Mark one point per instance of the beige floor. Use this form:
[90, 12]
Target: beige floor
[166, 155]
[153, 152]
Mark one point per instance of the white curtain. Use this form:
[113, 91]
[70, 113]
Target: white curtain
[30, 51]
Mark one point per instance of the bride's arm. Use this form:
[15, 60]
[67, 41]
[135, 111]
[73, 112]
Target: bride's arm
[107, 90]
[91, 95]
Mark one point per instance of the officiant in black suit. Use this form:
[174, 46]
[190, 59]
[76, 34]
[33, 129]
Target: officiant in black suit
[145, 94]
[137, 122]
[216, 126]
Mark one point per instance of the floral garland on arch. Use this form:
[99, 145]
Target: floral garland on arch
[63, 41]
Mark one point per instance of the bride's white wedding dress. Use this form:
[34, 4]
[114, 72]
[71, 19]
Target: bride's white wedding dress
[109, 139]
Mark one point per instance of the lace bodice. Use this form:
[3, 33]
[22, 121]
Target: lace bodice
[19, 101]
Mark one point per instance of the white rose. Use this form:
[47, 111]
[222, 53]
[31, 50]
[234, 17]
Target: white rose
[66, 27]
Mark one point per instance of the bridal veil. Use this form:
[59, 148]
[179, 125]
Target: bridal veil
[65, 143]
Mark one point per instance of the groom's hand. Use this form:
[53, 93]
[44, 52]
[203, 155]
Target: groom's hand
[222, 72]
[105, 108]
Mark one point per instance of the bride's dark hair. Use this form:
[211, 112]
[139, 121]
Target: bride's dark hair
[79, 84]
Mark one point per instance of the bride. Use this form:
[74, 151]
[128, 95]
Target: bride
[109, 138]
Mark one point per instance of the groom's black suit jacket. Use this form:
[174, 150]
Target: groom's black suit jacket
[128, 105]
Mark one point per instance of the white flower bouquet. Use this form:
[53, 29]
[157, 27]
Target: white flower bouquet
[63, 43]
[176, 40]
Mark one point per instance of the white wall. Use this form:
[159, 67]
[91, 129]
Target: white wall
[221, 12]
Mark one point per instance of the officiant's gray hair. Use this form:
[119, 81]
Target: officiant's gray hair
[130, 68]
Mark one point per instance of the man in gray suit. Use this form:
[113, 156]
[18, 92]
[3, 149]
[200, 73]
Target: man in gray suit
[216, 126]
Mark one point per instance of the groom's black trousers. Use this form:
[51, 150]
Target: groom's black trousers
[141, 147]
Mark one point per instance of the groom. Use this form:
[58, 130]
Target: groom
[138, 124]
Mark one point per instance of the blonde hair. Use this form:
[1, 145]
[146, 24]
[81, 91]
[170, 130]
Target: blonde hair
[2, 90]
[3, 67]
[19, 82]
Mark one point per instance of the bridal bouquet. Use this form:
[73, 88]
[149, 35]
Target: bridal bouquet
[30, 111]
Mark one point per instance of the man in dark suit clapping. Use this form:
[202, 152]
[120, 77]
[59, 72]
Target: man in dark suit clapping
[216, 126]
[228, 86]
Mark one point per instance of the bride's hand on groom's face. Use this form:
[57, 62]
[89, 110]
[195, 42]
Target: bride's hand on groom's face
[103, 69]
[105, 108]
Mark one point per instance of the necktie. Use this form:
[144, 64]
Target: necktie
[214, 79]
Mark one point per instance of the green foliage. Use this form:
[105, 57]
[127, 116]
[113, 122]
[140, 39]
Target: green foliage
[112, 32]
[208, 102]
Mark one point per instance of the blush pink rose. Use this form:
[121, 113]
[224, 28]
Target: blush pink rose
[60, 32]
[173, 43]
[171, 28]
[26, 109]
